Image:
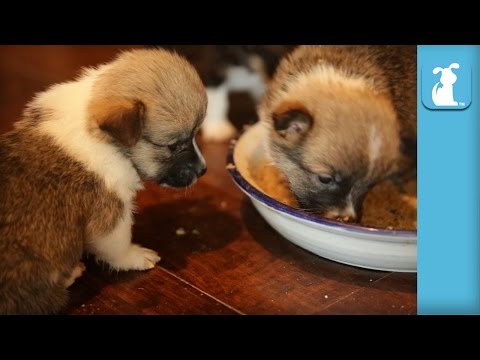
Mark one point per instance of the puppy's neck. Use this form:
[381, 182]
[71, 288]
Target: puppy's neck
[67, 123]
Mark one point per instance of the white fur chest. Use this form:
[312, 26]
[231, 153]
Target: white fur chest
[68, 125]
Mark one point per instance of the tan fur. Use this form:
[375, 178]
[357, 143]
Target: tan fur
[70, 169]
[345, 114]
[122, 119]
[288, 105]
[170, 89]
[362, 100]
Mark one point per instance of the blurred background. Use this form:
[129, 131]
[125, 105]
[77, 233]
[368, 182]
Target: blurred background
[25, 70]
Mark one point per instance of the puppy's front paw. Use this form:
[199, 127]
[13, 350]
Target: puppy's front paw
[136, 258]
[76, 273]
[218, 131]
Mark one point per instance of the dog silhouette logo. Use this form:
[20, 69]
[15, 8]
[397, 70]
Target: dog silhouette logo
[442, 91]
[447, 84]
[445, 76]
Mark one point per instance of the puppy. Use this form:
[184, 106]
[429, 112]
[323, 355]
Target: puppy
[230, 68]
[70, 169]
[341, 119]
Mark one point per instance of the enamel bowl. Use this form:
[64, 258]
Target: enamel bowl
[372, 248]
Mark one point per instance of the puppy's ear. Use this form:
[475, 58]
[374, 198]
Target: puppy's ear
[122, 119]
[292, 124]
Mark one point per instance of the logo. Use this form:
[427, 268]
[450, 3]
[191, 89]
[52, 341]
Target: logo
[443, 95]
[446, 86]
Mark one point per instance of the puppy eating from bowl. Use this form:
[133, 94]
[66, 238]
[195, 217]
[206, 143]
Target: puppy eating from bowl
[70, 170]
[342, 119]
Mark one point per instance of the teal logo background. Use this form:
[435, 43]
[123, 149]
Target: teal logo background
[443, 57]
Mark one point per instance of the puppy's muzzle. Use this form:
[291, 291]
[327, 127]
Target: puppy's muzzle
[347, 212]
[344, 215]
[200, 170]
[350, 212]
[186, 170]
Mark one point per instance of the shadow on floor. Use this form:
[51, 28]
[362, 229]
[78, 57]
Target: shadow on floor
[180, 228]
[279, 246]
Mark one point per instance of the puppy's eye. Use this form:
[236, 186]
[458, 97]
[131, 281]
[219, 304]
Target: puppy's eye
[326, 180]
[174, 146]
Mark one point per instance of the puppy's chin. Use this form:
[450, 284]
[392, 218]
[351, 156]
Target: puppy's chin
[176, 176]
[182, 176]
[177, 180]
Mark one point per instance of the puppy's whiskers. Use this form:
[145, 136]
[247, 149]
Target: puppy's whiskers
[188, 190]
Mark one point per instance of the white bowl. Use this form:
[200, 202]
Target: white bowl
[372, 248]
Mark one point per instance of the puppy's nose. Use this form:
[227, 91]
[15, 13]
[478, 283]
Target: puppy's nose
[197, 168]
[348, 214]
[201, 171]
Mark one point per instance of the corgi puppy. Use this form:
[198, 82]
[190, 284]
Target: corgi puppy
[70, 170]
[341, 119]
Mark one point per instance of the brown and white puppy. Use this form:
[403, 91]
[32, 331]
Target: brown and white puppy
[340, 119]
[70, 169]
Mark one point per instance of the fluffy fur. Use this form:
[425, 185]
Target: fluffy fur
[71, 167]
[342, 118]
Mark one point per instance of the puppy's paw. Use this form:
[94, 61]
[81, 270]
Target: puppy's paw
[218, 131]
[137, 258]
[76, 273]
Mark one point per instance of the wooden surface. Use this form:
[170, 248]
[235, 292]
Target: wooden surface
[229, 261]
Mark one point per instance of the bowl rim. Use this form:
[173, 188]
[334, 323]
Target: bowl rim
[250, 189]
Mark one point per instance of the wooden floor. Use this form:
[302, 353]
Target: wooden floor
[229, 261]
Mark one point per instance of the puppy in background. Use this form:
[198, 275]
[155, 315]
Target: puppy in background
[230, 68]
[70, 169]
[341, 119]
